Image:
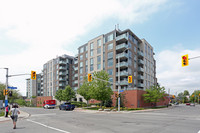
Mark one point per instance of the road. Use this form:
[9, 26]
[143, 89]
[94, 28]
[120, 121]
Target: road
[178, 119]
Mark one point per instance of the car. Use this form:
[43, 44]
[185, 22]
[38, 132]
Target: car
[66, 106]
[187, 103]
[192, 104]
[176, 103]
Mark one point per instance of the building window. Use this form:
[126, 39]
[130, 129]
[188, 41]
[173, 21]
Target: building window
[98, 62]
[81, 64]
[81, 57]
[86, 55]
[110, 55]
[91, 64]
[110, 46]
[81, 70]
[110, 71]
[86, 69]
[91, 46]
[91, 52]
[99, 43]
[86, 62]
[110, 62]
[86, 48]
[81, 50]
[98, 50]
[109, 38]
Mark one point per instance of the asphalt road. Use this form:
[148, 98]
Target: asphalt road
[179, 119]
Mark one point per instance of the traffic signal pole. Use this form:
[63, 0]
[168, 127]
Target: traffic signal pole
[6, 96]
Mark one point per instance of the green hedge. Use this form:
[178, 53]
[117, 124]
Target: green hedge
[79, 104]
[2, 113]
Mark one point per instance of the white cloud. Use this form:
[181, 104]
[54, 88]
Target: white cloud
[46, 25]
[173, 76]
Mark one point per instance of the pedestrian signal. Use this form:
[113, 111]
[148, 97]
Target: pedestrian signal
[129, 79]
[33, 75]
[185, 60]
[89, 77]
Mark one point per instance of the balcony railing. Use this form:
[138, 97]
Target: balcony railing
[123, 36]
[140, 62]
[141, 77]
[62, 62]
[140, 69]
[62, 73]
[122, 64]
[140, 53]
[122, 55]
[122, 73]
[61, 84]
[121, 46]
[140, 85]
[61, 67]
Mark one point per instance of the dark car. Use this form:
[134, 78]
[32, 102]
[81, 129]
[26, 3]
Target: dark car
[66, 106]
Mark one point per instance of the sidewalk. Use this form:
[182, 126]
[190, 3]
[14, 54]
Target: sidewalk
[21, 115]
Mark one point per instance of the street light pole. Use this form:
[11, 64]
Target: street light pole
[6, 96]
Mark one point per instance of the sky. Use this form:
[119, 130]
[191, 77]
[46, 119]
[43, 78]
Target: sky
[33, 32]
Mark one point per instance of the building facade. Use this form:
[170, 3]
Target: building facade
[121, 54]
[57, 73]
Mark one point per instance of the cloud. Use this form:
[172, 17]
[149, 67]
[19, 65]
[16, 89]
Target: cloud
[173, 76]
[41, 28]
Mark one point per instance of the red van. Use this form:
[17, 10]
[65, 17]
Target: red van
[47, 104]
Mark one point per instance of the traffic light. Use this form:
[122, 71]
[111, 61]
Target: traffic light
[10, 93]
[89, 77]
[119, 95]
[33, 75]
[129, 79]
[185, 60]
[5, 92]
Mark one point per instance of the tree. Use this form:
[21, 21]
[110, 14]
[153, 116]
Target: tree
[101, 87]
[194, 96]
[154, 94]
[186, 93]
[58, 95]
[85, 89]
[68, 93]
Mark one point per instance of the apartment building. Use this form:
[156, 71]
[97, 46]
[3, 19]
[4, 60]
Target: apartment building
[121, 54]
[57, 73]
[33, 87]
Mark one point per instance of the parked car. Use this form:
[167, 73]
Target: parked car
[192, 104]
[47, 104]
[187, 103]
[66, 106]
[176, 103]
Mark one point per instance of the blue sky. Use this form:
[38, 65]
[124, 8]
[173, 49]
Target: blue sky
[36, 31]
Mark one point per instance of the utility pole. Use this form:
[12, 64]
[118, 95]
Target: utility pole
[6, 96]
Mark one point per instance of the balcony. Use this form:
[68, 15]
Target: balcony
[76, 62]
[140, 54]
[140, 69]
[122, 55]
[141, 77]
[122, 64]
[122, 37]
[122, 73]
[76, 75]
[140, 62]
[61, 84]
[62, 62]
[62, 73]
[62, 68]
[76, 68]
[124, 82]
[62, 79]
[76, 82]
[121, 46]
[140, 85]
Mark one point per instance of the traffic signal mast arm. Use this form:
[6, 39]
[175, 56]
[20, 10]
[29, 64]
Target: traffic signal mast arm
[194, 57]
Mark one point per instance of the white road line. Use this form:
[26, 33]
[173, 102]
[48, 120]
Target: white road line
[44, 114]
[48, 126]
[199, 131]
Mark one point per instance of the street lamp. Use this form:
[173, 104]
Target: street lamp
[119, 87]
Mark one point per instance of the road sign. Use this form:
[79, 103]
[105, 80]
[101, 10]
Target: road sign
[121, 90]
[12, 87]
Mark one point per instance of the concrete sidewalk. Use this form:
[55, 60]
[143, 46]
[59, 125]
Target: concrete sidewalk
[21, 115]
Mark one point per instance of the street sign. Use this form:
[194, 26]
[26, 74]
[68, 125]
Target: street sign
[121, 90]
[12, 87]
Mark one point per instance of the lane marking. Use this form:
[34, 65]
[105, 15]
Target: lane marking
[44, 114]
[53, 128]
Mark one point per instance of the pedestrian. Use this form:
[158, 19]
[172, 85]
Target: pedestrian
[14, 114]
[7, 110]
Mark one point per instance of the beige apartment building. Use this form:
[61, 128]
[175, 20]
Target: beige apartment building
[115, 49]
